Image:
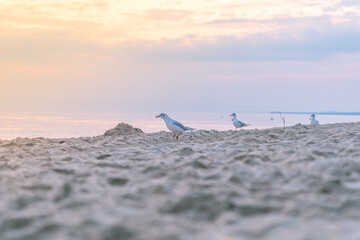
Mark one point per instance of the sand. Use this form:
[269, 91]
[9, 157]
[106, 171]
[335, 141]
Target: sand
[303, 183]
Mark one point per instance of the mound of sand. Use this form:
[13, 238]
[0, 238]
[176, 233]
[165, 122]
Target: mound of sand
[123, 129]
[302, 183]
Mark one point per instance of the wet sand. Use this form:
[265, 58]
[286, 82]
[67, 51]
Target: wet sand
[303, 183]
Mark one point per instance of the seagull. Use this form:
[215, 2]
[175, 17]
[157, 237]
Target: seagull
[174, 126]
[237, 123]
[314, 122]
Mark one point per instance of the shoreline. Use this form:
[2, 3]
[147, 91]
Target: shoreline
[197, 130]
[78, 125]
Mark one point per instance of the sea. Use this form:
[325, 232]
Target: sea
[75, 124]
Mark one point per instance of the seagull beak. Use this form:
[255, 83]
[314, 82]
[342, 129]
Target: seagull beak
[157, 116]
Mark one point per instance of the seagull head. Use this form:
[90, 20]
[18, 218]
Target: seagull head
[161, 115]
[233, 115]
[313, 115]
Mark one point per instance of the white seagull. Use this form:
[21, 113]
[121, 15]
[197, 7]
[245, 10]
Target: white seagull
[314, 122]
[237, 123]
[174, 126]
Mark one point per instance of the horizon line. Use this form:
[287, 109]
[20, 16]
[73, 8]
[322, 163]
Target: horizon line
[320, 113]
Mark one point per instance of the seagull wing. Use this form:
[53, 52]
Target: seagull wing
[181, 126]
[242, 124]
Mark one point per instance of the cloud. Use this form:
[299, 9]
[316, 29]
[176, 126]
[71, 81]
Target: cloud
[272, 46]
[231, 20]
[301, 43]
[283, 21]
[171, 15]
[292, 38]
[50, 8]
[159, 15]
[349, 3]
[46, 48]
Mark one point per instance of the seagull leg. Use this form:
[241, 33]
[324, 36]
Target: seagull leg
[174, 136]
[177, 137]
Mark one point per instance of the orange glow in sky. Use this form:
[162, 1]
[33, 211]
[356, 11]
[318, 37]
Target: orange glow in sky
[51, 48]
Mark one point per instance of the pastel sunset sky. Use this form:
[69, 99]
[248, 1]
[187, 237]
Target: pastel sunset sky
[188, 55]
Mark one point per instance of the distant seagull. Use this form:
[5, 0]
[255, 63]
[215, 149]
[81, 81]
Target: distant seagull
[174, 126]
[314, 122]
[237, 123]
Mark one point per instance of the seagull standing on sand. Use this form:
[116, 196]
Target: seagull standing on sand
[314, 122]
[174, 126]
[237, 123]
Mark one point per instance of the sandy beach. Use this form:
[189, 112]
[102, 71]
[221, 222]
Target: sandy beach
[268, 184]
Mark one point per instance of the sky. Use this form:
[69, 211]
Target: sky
[163, 55]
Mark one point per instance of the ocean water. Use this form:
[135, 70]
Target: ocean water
[66, 125]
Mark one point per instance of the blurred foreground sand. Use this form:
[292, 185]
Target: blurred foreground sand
[303, 183]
